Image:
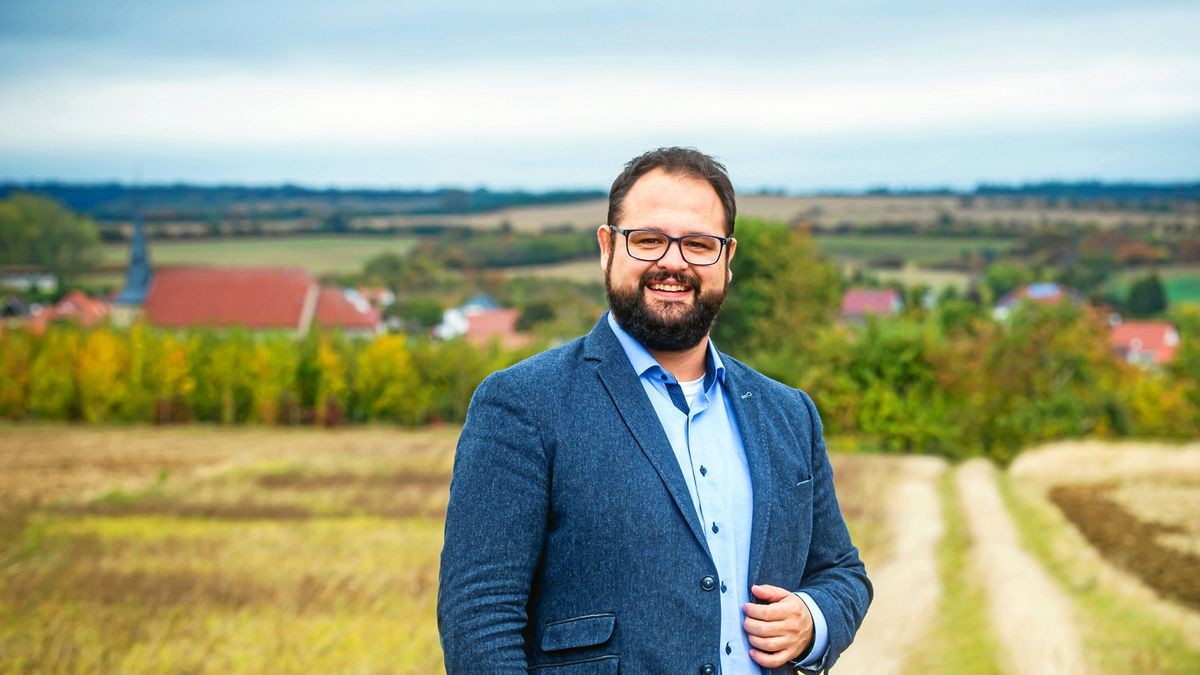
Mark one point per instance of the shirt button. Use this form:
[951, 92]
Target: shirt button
[708, 669]
[703, 470]
[723, 587]
[715, 528]
[728, 649]
[708, 582]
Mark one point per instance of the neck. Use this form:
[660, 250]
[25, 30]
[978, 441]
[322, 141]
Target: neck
[685, 365]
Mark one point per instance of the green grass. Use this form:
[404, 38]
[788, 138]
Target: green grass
[960, 640]
[916, 249]
[317, 254]
[1120, 634]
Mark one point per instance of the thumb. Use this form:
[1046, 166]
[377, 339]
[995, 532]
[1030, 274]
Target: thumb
[769, 593]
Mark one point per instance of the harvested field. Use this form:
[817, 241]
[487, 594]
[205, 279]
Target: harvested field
[207, 549]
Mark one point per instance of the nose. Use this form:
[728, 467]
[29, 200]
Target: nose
[673, 258]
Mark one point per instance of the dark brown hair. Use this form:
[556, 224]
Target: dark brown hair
[677, 161]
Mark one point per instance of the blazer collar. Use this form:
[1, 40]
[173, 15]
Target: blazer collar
[759, 438]
[621, 382]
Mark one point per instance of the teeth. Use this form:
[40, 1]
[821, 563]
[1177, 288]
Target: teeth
[668, 287]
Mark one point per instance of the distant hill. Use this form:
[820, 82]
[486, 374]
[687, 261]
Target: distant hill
[184, 202]
[115, 201]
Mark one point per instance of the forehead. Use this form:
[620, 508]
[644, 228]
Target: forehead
[673, 202]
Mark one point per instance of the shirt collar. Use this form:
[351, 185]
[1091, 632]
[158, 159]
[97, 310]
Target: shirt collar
[643, 361]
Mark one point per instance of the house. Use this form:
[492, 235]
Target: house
[75, 307]
[258, 298]
[496, 324]
[480, 321]
[378, 297]
[1145, 343]
[859, 303]
[1042, 293]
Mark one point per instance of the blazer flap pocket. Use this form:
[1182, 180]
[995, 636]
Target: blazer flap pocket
[582, 631]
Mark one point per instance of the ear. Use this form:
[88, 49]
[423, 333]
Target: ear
[604, 238]
[730, 249]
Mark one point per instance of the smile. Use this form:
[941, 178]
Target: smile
[673, 288]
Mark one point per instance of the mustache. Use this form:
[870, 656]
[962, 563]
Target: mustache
[683, 278]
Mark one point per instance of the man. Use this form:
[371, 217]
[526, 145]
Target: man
[637, 501]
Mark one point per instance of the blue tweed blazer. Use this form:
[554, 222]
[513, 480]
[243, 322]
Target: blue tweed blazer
[571, 543]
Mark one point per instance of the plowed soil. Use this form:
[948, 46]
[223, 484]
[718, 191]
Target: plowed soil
[1131, 543]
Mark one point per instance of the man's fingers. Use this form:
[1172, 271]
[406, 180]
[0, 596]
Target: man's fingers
[769, 593]
[762, 628]
[768, 644]
[767, 660]
[763, 612]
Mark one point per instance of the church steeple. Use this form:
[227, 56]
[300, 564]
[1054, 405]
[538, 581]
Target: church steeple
[137, 279]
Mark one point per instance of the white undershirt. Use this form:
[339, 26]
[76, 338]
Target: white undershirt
[691, 390]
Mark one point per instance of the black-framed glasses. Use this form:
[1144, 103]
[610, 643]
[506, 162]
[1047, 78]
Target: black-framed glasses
[652, 245]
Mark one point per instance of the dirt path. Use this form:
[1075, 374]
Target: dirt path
[907, 587]
[1032, 618]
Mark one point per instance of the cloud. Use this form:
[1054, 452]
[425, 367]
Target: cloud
[562, 101]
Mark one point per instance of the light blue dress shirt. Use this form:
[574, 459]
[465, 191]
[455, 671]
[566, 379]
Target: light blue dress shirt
[708, 446]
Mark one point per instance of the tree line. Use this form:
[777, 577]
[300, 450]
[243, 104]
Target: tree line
[941, 377]
[144, 374]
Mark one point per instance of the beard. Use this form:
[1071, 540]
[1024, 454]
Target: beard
[667, 329]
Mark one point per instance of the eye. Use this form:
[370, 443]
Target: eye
[706, 244]
[646, 239]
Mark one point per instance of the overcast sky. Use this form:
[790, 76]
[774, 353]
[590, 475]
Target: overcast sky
[799, 95]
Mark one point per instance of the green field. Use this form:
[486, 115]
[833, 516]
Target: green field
[317, 254]
[1182, 283]
[914, 249]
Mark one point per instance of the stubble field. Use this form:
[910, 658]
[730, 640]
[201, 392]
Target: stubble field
[200, 549]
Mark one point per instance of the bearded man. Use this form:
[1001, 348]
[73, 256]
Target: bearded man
[636, 501]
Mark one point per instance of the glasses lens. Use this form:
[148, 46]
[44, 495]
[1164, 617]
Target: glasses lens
[700, 249]
[647, 244]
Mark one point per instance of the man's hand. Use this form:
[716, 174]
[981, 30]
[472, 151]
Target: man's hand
[779, 631]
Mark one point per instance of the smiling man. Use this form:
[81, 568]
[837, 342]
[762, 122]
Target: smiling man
[636, 501]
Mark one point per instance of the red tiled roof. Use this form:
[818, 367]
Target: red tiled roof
[255, 297]
[489, 324]
[862, 301]
[74, 306]
[335, 309]
[1154, 341]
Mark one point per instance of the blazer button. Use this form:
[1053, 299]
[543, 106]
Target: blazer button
[708, 583]
[708, 669]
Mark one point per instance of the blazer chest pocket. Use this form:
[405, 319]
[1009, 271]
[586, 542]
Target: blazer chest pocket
[796, 499]
[581, 631]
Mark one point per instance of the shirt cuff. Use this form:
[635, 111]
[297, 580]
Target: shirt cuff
[816, 654]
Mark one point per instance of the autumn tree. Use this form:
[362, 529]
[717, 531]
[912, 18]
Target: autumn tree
[388, 385]
[39, 231]
[782, 291]
[1147, 296]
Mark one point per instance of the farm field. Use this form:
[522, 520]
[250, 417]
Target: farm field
[317, 254]
[347, 254]
[1181, 282]
[915, 249]
[205, 549]
[822, 212]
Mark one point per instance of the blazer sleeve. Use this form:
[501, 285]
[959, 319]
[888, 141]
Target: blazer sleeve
[834, 575]
[495, 529]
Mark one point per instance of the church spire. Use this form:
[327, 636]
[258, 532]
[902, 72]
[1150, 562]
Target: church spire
[137, 279]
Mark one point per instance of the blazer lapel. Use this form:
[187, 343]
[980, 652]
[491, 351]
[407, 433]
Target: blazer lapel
[759, 440]
[622, 384]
